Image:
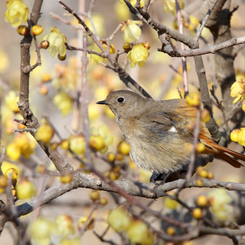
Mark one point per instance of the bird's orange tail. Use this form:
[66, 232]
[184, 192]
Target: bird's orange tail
[221, 152]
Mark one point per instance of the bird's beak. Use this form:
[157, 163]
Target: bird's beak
[102, 102]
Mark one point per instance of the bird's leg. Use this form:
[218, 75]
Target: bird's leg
[156, 177]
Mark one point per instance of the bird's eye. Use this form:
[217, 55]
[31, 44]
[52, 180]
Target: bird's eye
[120, 99]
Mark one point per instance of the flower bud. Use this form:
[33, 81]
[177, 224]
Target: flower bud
[44, 44]
[170, 231]
[66, 178]
[200, 147]
[22, 30]
[192, 99]
[197, 213]
[62, 58]
[36, 30]
[202, 201]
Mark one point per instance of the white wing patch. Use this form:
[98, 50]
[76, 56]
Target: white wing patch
[172, 129]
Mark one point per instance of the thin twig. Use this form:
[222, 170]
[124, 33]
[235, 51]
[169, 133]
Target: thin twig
[85, 226]
[124, 76]
[204, 21]
[183, 59]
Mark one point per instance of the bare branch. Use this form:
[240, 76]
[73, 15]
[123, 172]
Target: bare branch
[211, 49]
[138, 189]
[204, 21]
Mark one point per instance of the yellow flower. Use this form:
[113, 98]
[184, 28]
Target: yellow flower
[169, 202]
[45, 133]
[131, 32]
[26, 189]
[234, 134]
[138, 55]
[193, 99]
[97, 142]
[64, 103]
[25, 143]
[122, 10]
[16, 13]
[77, 144]
[41, 230]
[94, 58]
[111, 49]
[169, 5]
[36, 30]
[11, 101]
[57, 42]
[238, 90]
[65, 225]
[123, 148]
[119, 219]
[194, 23]
[13, 151]
[241, 137]
[6, 166]
[138, 233]
[220, 200]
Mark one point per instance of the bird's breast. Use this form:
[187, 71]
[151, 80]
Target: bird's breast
[154, 150]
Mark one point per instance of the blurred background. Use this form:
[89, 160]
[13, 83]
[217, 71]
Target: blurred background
[161, 77]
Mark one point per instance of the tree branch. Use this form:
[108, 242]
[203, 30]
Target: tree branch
[149, 190]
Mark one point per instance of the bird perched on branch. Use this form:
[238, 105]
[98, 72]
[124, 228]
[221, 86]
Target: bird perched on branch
[158, 132]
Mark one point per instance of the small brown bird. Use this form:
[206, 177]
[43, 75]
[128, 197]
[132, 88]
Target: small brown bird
[158, 134]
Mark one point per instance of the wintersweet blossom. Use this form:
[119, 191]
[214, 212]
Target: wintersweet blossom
[131, 31]
[94, 58]
[238, 90]
[121, 10]
[45, 133]
[138, 233]
[138, 54]
[41, 229]
[234, 134]
[220, 200]
[118, 219]
[11, 101]
[241, 137]
[64, 103]
[57, 42]
[65, 225]
[16, 13]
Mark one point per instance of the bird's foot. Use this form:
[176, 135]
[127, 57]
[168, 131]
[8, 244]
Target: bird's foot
[159, 179]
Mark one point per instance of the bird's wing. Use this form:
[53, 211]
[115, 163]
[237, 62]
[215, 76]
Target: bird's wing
[170, 115]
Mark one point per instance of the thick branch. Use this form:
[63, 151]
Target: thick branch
[29, 119]
[219, 25]
[138, 189]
